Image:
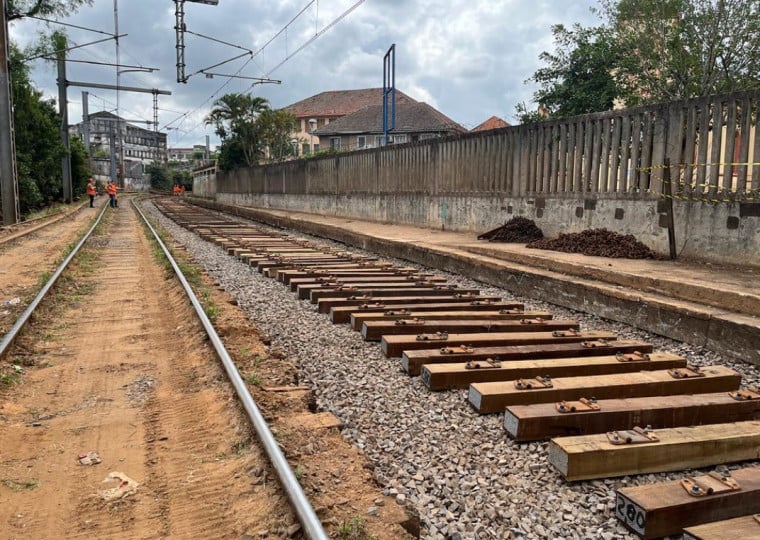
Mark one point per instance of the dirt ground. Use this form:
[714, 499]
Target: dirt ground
[24, 260]
[117, 365]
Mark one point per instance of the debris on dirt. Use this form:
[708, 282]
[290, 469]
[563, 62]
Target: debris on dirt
[125, 487]
[12, 302]
[518, 229]
[138, 391]
[90, 458]
[599, 243]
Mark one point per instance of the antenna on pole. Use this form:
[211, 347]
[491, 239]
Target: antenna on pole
[389, 90]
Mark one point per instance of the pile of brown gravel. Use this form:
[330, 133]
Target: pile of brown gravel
[518, 229]
[598, 242]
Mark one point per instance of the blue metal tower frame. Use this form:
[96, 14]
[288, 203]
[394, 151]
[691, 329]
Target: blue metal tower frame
[389, 89]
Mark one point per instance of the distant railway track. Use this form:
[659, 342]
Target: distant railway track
[612, 407]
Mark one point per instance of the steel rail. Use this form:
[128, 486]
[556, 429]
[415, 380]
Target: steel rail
[305, 512]
[22, 320]
[44, 221]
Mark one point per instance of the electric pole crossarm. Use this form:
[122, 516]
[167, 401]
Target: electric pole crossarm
[121, 88]
[219, 64]
[47, 54]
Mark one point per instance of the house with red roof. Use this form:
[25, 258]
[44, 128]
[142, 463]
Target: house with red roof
[317, 111]
[415, 121]
[492, 123]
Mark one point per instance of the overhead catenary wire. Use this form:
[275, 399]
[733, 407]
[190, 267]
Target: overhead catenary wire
[252, 57]
[315, 36]
[287, 58]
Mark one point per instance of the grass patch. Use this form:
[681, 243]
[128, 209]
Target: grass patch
[299, 472]
[253, 379]
[355, 529]
[19, 486]
[9, 378]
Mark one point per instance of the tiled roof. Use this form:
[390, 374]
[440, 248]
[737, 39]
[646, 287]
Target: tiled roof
[335, 103]
[410, 117]
[492, 123]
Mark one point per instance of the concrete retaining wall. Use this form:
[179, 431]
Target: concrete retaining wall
[722, 233]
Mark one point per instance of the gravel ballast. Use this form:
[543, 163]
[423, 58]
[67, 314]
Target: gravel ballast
[431, 451]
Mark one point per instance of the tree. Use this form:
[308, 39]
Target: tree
[41, 8]
[80, 165]
[159, 176]
[678, 49]
[234, 116]
[38, 144]
[578, 78]
[649, 51]
[275, 130]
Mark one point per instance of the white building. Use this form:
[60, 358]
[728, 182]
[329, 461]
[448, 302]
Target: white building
[113, 141]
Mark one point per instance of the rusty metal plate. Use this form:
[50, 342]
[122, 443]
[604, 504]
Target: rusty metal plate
[582, 405]
[462, 349]
[689, 372]
[711, 483]
[635, 356]
[536, 383]
[438, 336]
[636, 435]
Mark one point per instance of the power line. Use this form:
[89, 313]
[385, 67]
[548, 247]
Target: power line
[299, 49]
[315, 36]
[224, 85]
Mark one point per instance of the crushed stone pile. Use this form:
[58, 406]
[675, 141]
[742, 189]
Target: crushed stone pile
[598, 242]
[518, 229]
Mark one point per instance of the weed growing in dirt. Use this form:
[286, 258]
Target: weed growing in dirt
[298, 472]
[191, 272]
[87, 261]
[240, 446]
[253, 379]
[212, 311]
[9, 379]
[43, 279]
[356, 529]
[19, 486]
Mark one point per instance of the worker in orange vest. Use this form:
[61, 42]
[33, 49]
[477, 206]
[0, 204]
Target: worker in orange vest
[111, 190]
[91, 192]
[176, 189]
[182, 190]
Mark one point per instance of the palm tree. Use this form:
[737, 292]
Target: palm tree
[234, 116]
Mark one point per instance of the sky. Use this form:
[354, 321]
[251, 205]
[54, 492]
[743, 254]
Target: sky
[467, 58]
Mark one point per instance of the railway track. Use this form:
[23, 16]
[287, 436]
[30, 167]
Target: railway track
[611, 407]
[118, 390]
[30, 250]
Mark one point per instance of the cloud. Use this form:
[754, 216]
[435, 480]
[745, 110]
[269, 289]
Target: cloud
[468, 58]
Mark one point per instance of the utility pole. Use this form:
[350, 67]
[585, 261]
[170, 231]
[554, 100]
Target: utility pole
[112, 146]
[8, 180]
[86, 121]
[180, 28]
[63, 107]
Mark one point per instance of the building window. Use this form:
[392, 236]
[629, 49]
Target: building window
[334, 143]
[316, 147]
[399, 139]
[379, 140]
[305, 148]
[361, 141]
